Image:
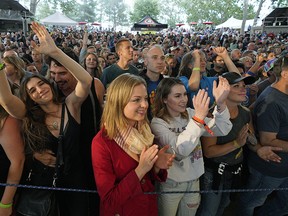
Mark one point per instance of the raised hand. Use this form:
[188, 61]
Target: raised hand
[196, 53]
[221, 91]
[201, 104]
[47, 45]
[221, 51]
[85, 36]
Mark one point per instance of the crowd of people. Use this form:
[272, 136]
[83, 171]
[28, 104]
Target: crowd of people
[145, 120]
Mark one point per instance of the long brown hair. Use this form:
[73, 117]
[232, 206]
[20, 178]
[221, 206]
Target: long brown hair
[98, 70]
[34, 127]
[18, 64]
[184, 69]
[163, 90]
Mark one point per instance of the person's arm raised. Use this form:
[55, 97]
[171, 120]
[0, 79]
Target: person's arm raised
[195, 77]
[222, 52]
[48, 47]
[12, 104]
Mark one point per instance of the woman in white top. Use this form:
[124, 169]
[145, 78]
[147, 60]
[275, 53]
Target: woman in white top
[181, 128]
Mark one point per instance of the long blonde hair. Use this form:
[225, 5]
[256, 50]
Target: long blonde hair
[18, 63]
[118, 95]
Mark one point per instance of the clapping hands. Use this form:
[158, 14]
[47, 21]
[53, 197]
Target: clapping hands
[201, 104]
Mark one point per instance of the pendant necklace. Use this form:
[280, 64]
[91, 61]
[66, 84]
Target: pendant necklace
[55, 125]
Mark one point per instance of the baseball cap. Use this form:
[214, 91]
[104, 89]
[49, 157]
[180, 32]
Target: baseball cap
[234, 78]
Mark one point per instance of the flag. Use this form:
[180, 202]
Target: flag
[270, 64]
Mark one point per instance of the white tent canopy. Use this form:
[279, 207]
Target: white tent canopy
[230, 23]
[235, 23]
[58, 19]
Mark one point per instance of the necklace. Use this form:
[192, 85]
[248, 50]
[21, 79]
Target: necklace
[55, 125]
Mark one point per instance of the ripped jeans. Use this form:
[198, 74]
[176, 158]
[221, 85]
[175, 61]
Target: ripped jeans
[180, 204]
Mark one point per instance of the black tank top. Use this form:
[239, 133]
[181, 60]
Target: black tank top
[91, 113]
[4, 168]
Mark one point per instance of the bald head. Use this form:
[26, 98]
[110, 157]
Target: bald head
[155, 60]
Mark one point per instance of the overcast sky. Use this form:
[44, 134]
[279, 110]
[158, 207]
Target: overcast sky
[266, 9]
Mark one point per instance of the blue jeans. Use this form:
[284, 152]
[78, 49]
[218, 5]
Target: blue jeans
[248, 201]
[214, 203]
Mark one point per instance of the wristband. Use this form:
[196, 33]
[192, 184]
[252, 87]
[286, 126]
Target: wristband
[235, 144]
[204, 124]
[5, 205]
[2, 66]
[196, 69]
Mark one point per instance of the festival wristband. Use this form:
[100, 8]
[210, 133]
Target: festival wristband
[196, 69]
[5, 205]
[204, 124]
[2, 66]
[235, 144]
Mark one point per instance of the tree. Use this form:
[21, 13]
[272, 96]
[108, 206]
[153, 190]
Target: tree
[258, 12]
[171, 13]
[115, 11]
[100, 7]
[68, 7]
[279, 3]
[143, 8]
[43, 10]
[86, 11]
[216, 11]
[245, 9]
[33, 5]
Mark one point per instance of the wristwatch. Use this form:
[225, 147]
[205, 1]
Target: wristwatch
[2, 66]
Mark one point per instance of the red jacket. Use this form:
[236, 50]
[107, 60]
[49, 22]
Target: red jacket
[119, 188]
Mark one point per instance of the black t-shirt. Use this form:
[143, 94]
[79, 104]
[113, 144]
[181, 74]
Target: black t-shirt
[112, 72]
[236, 156]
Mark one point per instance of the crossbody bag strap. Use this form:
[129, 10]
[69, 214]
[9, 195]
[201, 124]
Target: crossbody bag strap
[59, 158]
[94, 109]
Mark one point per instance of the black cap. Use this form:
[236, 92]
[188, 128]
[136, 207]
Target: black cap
[234, 78]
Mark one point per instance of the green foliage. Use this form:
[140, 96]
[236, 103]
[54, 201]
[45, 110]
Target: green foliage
[216, 11]
[44, 10]
[115, 10]
[86, 11]
[68, 7]
[143, 8]
[100, 11]
[279, 3]
[171, 14]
